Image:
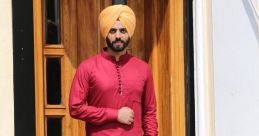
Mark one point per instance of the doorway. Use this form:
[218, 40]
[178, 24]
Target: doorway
[67, 32]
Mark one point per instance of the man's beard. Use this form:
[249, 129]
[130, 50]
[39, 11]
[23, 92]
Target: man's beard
[117, 48]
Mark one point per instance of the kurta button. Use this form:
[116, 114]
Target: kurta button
[119, 77]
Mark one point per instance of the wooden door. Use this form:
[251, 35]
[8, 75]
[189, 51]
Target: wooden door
[158, 39]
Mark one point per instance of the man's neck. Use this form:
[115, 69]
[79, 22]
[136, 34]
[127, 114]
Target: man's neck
[116, 54]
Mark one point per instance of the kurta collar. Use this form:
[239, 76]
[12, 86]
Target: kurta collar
[123, 58]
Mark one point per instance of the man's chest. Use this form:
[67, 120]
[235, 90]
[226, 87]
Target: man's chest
[116, 83]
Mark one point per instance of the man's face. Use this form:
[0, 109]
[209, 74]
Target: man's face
[118, 38]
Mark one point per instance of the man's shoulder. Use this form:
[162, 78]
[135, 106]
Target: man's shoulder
[89, 61]
[140, 62]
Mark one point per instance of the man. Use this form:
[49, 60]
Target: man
[113, 91]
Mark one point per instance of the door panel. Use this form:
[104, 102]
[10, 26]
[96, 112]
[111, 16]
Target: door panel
[158, 40]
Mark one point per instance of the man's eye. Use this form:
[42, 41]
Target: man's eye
[123, 31]
[113, 31]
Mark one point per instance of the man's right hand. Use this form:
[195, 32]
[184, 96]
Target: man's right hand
[125, 115]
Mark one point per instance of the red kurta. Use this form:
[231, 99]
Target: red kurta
[103, 85]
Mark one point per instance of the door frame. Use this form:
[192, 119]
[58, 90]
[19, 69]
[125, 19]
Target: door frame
[174, 108]
[203, 54]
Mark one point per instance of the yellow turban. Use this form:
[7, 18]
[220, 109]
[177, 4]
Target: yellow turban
[112, 13]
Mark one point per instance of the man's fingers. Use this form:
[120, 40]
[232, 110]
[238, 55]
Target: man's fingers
[128, 123]
[131, 120]
[131, 112]
[126, 115]
[132, 116]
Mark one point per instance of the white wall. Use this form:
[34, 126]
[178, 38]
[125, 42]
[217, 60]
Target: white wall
[6, 70]
[236, 68]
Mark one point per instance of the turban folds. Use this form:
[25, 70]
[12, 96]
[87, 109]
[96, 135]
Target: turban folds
[113, 13]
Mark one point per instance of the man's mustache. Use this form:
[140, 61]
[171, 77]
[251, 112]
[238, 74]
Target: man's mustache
[118, 40]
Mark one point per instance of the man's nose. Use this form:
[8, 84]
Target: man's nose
[118, 34]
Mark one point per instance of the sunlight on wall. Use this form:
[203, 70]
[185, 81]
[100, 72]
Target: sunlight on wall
[6, 70]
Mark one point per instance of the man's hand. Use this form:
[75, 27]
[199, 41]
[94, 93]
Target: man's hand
[125, 115]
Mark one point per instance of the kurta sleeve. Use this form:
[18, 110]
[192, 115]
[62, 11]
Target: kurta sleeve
[149, 107]
[78, 106]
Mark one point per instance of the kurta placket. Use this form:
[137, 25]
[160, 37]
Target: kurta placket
[119, 77]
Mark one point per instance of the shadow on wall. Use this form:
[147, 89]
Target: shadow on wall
[253, 17]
